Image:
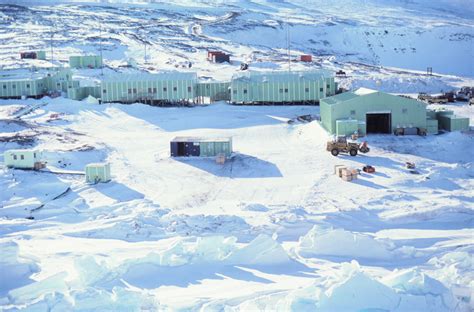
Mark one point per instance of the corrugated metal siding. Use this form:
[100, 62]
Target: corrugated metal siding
[216, 91]
[85, 61]
[346, 127]
[281, 88]
[404, 112]
[144, 87]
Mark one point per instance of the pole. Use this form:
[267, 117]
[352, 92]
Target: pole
[52, 55]
[288, 42]
[101, 56]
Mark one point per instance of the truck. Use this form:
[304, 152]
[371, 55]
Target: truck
[342, 145]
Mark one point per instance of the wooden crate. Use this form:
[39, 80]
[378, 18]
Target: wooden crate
[220, 159]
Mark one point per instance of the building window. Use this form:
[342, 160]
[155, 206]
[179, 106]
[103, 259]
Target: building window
[281, 90]
[154, 90]
[22, 157]
[135, 90]
[149, 90]
[321, 89]
[14, 157]
[27, 85]
[245, 91]
[207, 86]
[4, 86]
[104, 91]
[175, 89]
[306, 90]
[129, 91]
[189, 89]
[164, 89]
[405, 110]
[34, 155]
[353, 112]
[286, 90]
[329, 86]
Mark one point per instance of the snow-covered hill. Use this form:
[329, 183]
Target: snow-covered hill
[405, 34]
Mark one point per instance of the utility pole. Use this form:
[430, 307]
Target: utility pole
[146, 58]
[101, 56]
[288, 41]
[51, 42]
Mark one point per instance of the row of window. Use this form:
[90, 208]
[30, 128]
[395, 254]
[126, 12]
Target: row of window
[285, 90]
[28, 85]
[150, 90]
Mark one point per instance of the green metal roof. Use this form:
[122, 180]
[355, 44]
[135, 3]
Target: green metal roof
[201, 139]
[339, 98]
[280, 76]
[163, 76]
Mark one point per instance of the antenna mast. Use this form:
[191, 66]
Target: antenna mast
[288, 41]
[101, 57]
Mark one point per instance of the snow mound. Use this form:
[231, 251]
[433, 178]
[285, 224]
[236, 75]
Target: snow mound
[14, 269]
[262, 250]
[359, 292]
[327, 241]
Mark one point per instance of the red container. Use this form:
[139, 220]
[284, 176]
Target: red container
[306, 58]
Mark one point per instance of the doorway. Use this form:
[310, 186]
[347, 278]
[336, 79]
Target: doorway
[379, 123]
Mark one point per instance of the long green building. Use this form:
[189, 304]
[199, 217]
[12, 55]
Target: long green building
[368, 111]
[282, 87]
[15, 84]
[161, 88]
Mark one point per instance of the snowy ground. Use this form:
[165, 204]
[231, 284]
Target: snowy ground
[271, 229]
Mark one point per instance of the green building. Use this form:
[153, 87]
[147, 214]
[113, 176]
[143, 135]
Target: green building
[200, 147]
[368, 111]
[85, 61]
[282, 87]
[15, 84]
[21, 159]
[97, 172]
[161, 88]
[79, 93]
[215, 91]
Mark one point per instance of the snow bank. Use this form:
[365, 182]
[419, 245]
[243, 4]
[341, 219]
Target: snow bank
[262, 250]
[327, 241]
[14, 269]
[355, 290]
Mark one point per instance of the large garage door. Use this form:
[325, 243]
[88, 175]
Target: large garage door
[379, 122]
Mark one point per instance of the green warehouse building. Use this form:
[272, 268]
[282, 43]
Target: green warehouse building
[283, 87]
[367, 111]
[160, 88]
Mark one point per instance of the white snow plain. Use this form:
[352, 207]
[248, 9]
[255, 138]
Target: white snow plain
[271, 229]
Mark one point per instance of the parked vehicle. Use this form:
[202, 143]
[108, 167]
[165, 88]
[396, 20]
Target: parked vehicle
[342, 145]
[442, 99]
